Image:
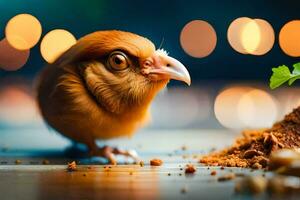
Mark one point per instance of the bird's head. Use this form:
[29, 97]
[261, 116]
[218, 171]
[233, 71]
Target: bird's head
[121, 69]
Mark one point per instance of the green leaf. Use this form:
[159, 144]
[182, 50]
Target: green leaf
[292, 80]
[295, 74]
[280, 75]
[296, 70]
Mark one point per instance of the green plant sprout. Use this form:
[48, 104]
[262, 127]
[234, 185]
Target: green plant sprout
[282, 74]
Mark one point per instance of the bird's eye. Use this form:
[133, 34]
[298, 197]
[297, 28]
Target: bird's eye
[118, 60]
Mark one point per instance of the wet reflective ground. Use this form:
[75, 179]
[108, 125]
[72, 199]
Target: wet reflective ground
[31, 179]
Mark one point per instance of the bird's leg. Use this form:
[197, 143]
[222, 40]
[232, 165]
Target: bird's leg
[111, 152]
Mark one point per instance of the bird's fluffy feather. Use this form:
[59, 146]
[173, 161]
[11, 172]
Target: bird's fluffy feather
[83, 100]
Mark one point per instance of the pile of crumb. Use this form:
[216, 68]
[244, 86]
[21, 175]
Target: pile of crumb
[253, 149]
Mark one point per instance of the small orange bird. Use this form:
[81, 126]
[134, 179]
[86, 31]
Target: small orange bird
[102, 87]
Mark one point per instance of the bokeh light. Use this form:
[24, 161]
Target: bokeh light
[198, 38]
[289, 38]
[180, 108]
[17, 106]
[267, 36]
[257, 109]
[251, 36]
[288, 99]
[234, 34]
[55, 43]
[226, 110]
[23, 31]
[12, 59]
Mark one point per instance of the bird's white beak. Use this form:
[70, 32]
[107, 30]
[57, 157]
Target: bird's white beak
[160, 66]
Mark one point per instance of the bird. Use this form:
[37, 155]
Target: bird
[102, 88]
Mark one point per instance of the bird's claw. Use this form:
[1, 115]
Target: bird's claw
[110, 153]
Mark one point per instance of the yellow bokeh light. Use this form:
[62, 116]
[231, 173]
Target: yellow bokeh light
[257, 109]
[23, 31]
[234, 34]
[267, 36]
[250, 36]
[55, 43]
[289, 38]
[225, 107]
[12, 59]
[198, 38]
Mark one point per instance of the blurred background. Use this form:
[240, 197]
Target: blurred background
[229, 48]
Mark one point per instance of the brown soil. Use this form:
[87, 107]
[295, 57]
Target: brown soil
[253, 149]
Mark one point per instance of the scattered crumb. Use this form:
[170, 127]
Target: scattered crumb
[239, 175]
[142, 164]
[183, 190]
[18, 162]
[84, 174]
[106, 168]
[169, 174]
[156, 162]
[46, 162]
[72, 166]
[130, 173]
[213, 173]
[190, 169]
[227, 177]
[180, 174]
[254, 148]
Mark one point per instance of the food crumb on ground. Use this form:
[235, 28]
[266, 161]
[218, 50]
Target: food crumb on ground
[142, 164]
[169, 174]
[46, 162]
[18, 162]
[227, 177]
[156, 162]
[72, 166]
[183, 190]
[213, 173]
[190, 169]
[130, 173]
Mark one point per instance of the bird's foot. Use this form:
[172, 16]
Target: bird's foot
[111, 152]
